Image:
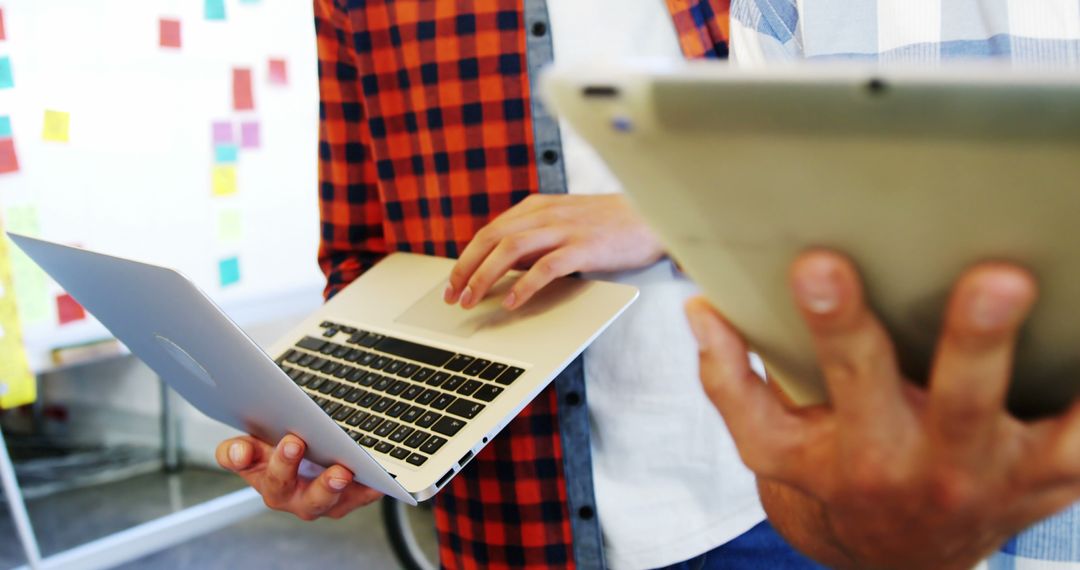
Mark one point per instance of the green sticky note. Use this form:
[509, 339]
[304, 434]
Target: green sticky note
[230, 226]
[31, 289]
[215, 9]
[225, 153]
[229, 270]
[5, 126]
[6, 80]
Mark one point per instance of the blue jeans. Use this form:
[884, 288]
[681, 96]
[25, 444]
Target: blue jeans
[758, 548]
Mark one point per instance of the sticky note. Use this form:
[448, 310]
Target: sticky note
[5, 126]
[229, 271]
[223, 132]
[9, 162]
[243, 97]
[7, 81]
[225, 153]
[3, 34]
[68, 310]
[224, 180]
[214, 9]
[278, 72]
[230, 226]
[249, 134]
[169, 33]
[30, 283]
[56, 126]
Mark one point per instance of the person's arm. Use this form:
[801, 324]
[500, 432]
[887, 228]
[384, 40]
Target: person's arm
[890, 475]
[352, 241]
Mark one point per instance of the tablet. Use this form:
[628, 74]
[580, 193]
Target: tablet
[915, 175]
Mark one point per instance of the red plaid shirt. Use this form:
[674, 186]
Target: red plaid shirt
[425, 137]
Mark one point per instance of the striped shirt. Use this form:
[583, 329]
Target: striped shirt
[1026, 32]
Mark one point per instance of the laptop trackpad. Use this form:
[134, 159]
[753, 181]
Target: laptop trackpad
[432, 313]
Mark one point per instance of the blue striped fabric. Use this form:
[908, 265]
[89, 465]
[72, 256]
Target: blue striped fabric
[1026, 32]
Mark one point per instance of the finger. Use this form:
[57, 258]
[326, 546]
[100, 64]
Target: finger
[353, 497]
[241, 454]
[506, 254]
[558, 263]
[1059, 460]
[854, 351]
[758, 422]
[279, 481]
[518, 219]
[974, 356]
[324, 492]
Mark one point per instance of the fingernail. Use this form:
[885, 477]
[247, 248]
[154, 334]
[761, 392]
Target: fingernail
[510, 300]
[989, 311]
[466, 296]
[816, 290]
[236, 453]
[338, 484]
[291, 450]
[700, 326]
[448, 295]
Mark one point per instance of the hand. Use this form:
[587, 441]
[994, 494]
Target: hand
[890, 475]
[273, 472]
[555, 236]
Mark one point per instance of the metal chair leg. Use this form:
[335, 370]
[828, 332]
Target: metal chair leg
[18, 507]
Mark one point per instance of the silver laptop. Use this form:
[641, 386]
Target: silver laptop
[913, 173]
[385, 379]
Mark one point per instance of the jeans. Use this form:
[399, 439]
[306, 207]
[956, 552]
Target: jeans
[758, 548]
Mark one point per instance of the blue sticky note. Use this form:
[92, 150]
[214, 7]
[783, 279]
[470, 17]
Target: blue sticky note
[215, 9]
[225, 153]
[6, 81]
[229, 269]
[5, 127]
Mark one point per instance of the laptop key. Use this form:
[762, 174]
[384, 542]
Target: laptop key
[316, 383]
[427, 419]
[442, 401]
[386, 428]
[328, 349]
[400, 453]
[368, 441]
[348, 330]
[305, 379]
[447, 426]
[477, 367]
[408, 370]
[330, 368]
[358, 418]
[416, 459]
[487, 393]
[341, 391]
[341, 351]
[397, 409]
[311, 343]
[426, 397]
[383, 447]
[465, 408]
[432, 445]
[331, 407]
[356, 375]
[329, 333]
[354, 395]
[344, 413]
[317, 364]
[356, 337]
[458, 363]
[371, 340]
[344, 371]
[438, 378]
[382, 404]
[427, 354]
[294, 356]
[493, 371]
[380, 362]
[382, 383]
[367, 358]
[453, 383]
[417, 439]
[412, 392]
[328, 387]
[321, 401]
[509, 376]
[422, 375]
[401, 434]
[368, 399]
[306, 360]
[397, 387]
[412, 414]
[469, 387]
[371, 423]
[354, 355]
[393, 367]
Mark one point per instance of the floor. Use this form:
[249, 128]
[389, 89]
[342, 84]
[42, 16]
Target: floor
[273, 540]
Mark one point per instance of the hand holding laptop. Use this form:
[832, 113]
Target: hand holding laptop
[897, 476]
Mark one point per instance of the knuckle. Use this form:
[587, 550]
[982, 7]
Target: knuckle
[951, 490]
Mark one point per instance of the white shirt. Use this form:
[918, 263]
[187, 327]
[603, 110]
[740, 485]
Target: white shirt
[669, 481]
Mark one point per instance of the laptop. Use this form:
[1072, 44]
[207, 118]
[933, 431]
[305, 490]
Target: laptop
[915, 174]
[384, 379]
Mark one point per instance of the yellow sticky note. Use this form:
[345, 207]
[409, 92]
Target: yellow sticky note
[224, 180]
[230, 226]
[56, 126]
[17, 384]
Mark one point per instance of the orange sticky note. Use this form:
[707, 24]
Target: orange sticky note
[68, 310]
[243, 97]
[170, 33]
[278, 73]
[9, 162]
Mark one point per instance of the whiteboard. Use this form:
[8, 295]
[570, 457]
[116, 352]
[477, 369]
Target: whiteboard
[134, 177]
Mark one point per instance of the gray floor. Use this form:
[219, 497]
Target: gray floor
[273, 540]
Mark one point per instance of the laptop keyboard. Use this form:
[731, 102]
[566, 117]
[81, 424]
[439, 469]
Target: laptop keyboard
[393, 396]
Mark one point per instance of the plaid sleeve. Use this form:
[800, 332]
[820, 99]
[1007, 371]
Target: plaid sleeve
[352, 237]
[703, 27]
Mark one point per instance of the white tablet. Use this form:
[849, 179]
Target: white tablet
[915, 175]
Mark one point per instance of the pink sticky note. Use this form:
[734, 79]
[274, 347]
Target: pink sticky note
[278, 73]
[223, 133]
[170, 33]
[249, 135]
[243, 96]
[3, 35]
[68, 310]
[8, 161]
